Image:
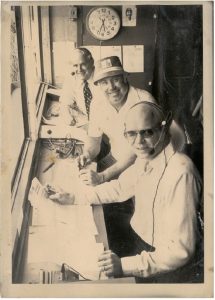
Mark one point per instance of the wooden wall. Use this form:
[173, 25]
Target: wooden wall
[144, 33]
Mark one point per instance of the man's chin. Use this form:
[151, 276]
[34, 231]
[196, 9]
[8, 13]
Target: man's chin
[80, 76]
[143, 154]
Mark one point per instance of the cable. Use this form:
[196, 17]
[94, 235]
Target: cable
[156, 191]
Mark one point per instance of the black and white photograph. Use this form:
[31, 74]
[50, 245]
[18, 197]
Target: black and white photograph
[106, 125]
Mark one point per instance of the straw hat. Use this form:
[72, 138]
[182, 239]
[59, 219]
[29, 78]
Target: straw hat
[106, 67]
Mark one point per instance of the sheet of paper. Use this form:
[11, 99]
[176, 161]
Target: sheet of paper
[99, 52]
[133, 58]
[36, 192]
[46, 212]
[57, 245]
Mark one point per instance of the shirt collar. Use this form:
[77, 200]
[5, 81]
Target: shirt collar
[146, 166]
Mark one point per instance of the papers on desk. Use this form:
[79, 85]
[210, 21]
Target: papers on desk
[58, 245]
[62, 234]
[46, 212]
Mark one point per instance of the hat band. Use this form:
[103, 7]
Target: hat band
[108, 72]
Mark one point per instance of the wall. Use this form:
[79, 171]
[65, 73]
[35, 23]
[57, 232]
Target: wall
[63, 30]
[143, 33]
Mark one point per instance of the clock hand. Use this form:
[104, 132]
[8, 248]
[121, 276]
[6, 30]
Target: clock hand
[101, 26]
[103, 23]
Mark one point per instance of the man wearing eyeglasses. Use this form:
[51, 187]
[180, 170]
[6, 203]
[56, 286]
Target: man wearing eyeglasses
[106, 117]
[163, 236]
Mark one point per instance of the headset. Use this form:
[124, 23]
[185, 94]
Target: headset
[164, 124]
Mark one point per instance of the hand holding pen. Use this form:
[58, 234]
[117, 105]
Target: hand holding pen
[88, 176]
[58, 195]
[83, 161]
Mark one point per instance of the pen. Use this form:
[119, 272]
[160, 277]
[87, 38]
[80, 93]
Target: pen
[49, 166]
[86, 162]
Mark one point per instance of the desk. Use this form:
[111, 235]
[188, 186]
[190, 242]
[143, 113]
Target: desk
[44, 157]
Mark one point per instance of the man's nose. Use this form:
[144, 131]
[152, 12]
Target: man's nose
[79, 67]
[140, 138]
[111, 85]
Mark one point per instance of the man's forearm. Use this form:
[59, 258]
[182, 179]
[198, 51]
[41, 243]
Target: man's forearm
[116, 169]
[92, 147]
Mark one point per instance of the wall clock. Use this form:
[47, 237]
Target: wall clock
[103, 23]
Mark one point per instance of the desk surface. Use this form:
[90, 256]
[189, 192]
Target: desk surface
[44, 159]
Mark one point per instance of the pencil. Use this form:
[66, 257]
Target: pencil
[49, 166]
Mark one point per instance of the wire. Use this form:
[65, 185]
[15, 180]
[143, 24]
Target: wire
[63, 147]
[153, 204]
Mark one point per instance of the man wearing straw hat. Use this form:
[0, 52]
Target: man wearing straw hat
[106, 117]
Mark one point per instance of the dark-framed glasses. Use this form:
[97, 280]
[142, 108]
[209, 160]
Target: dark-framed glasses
[131, 135]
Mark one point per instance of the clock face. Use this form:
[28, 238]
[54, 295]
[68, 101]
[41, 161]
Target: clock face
[103, 23]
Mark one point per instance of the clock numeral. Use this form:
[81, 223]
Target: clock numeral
[115, 23]
[103, 10]
[113, 17]
[109, 12]
[112, 28]
[108, 32]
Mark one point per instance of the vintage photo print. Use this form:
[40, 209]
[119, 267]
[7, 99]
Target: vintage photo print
[106, 149]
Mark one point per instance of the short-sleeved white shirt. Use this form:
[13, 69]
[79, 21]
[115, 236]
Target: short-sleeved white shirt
[104, 118]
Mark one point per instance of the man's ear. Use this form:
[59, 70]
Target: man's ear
[91, 64]
[168, 120]
[125, 77]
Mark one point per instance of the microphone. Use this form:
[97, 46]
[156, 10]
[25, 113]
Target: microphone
[152, 151]
[163, 124]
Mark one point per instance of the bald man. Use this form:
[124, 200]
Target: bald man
[167, 188]
[77, 92]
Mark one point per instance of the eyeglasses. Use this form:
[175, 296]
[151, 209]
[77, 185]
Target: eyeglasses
[131, 135]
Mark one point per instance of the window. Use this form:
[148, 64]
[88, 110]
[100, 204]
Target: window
[15, 104]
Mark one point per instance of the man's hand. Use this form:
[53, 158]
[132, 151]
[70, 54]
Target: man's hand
[110, 264]
[59, 196]
[90, 177]
[82, 161]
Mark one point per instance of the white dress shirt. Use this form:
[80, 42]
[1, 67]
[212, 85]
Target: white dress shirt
[104, 118]
[167, 190]
[72, 92]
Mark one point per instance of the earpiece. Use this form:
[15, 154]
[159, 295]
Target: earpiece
[165, 123]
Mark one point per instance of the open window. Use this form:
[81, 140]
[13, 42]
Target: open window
[28, 90]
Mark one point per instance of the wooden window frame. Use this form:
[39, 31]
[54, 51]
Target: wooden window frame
[33, 105]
